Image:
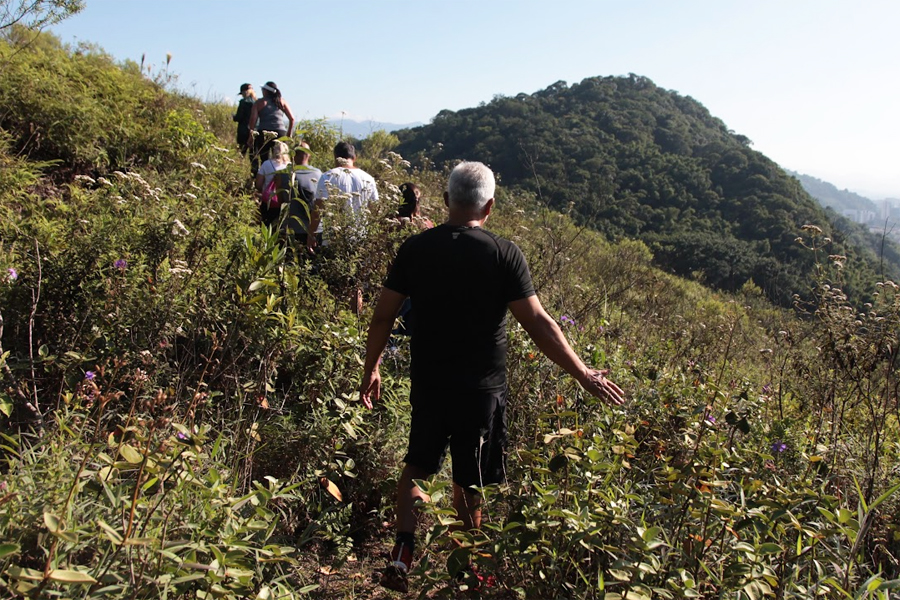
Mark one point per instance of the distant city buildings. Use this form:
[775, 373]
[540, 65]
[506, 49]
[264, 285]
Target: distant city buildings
[886, 211]
[885, 219]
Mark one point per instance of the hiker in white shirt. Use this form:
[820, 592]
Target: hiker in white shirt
[345, 179]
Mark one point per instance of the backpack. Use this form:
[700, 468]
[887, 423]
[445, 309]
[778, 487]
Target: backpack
[281, 190]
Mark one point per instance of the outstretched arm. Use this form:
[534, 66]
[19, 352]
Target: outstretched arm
[386, 310]
[551, 341]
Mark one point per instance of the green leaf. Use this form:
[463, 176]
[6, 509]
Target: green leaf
[22, 573]
[187, 578]
[264, 593]
[885, 495]
[8, 549]
[111, 533]
[67, 576]
[862, 499]
[6, 405]
[873, 583]
[457, 561]
[769, 548]
[53, 523]
[651, 534]
[130, 454]
[308, 588]
[752, 590]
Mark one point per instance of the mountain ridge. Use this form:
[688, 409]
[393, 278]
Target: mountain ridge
[634, 160]
[362, 129]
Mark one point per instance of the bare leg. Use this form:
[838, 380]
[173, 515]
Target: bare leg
[468, 507]
[407, 493]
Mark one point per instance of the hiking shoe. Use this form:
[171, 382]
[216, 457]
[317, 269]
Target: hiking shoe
[394, 576]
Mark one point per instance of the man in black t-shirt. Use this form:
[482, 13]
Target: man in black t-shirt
[461, 279]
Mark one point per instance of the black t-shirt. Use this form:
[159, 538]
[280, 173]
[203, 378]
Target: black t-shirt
[460, 280]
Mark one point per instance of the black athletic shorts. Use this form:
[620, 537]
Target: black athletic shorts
[472, 424]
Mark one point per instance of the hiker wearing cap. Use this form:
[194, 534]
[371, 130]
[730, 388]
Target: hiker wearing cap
[270, 113]
[242, 116]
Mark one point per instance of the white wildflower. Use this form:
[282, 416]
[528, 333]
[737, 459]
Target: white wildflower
[104, 181]
[189, 195]
[120, 175]
[178, 228]
[197, 165]
[85, 179]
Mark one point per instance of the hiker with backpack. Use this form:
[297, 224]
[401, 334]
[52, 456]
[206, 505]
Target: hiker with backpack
[274, 182]
[306, 178]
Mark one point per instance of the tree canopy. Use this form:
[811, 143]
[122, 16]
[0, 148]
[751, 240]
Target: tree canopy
[634, 160]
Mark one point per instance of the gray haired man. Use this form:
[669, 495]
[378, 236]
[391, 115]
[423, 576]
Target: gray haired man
[462, 280]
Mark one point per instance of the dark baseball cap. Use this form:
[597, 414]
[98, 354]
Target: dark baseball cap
[245, 87]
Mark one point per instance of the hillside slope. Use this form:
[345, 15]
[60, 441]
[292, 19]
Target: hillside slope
[634, 160]
[179, 418]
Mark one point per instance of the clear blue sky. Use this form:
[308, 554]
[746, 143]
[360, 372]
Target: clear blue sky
[814, 84]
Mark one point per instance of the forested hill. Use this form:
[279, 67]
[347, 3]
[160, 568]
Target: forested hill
[635, 160]
[828, 195]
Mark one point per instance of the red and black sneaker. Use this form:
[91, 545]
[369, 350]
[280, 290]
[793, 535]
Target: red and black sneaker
[394, 576]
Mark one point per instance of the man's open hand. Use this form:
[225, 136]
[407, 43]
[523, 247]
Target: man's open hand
[370, 388]
[596, 383]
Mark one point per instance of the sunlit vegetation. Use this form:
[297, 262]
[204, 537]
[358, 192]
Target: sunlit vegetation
[178, 384]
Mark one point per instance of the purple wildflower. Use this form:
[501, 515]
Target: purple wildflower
[12, 274]
[711, 419]
[767, 389]
[779, 447]
[121, 264]
[89, 375]
[182, 436]
[3, 486]
[567, 320]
